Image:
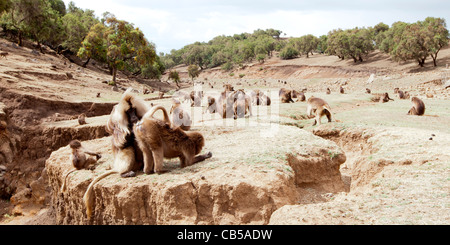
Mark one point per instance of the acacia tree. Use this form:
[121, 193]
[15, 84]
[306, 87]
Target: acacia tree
[77, 23]
[307, 44]
[117, 42]
[438, 36]
[175, 77]
[193, 71]
[411, 44]
[94, 44]
[34, 18]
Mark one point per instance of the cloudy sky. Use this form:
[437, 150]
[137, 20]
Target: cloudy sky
[173, 24]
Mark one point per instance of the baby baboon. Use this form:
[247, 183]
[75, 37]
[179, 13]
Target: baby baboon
[418, 107]
[180, 117]
[341, 89]
[320, 107]
[82, 119]
[285, 96]
[79, 159]
[328, 91]
[158, 140]
[368, 91]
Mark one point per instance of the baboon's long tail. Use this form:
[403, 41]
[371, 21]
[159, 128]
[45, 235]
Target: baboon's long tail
[63, 186]
[88, 198]
[153, 110]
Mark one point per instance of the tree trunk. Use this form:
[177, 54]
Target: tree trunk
[114, 73]
[434, 57]
[20, 39]
[85, 63]
[421, 62]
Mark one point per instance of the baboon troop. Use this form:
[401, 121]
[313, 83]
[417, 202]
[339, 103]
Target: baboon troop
[418, 107]
[140, 141]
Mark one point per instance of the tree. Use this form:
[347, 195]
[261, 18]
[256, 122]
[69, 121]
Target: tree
[411, 44]
[173, 75]
[307, 44]
[193, 71]
[438, 36]
[288, 52]
[353, 43]
[119, 44]
[94, 44]
[322, 45]
[125, 42]
[76, 24]
[34, 18]
[4, 6]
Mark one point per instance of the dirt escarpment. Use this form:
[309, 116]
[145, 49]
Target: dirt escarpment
[390, 171]
[242, 188]
[30, 133]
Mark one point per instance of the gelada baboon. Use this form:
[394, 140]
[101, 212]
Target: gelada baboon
[228, 87]
[402, 95]
[328, 91]
[341, 89]
[382, 98]
[125, 159]
[211, 105]
[158, 140]
[285, 96]
[242, 104]
[259, 98]
[80, 160]
[320, 107]
[368, 91]
[180, 117]
[82, 119]
[418, 107]
[196, 98]
[299, 95]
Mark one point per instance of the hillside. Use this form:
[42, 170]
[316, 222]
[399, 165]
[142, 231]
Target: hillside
[391, 168]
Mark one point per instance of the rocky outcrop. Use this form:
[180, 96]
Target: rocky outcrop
[244, 182]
